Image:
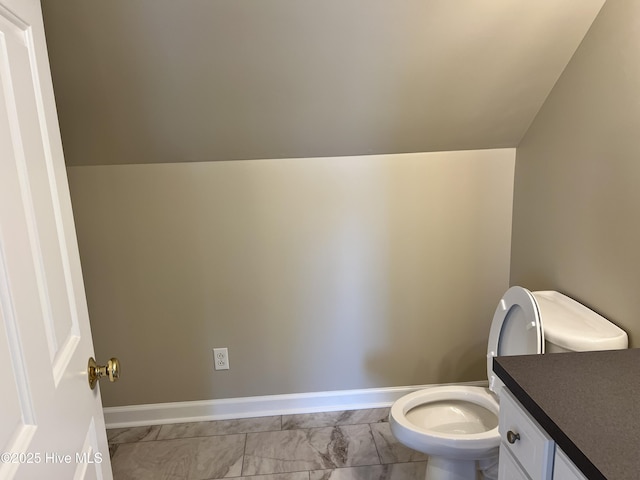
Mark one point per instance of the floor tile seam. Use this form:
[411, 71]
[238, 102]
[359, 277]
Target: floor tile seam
[309, 472]
[160, 430]
[306, 429]
[181, 438]
[337, 424]
[285, 461]
[212, 435]
[162, 426]
[324, 426]
[113, 452]
[127, 443]
[361, 465]
[288, 472]
[375, 444]
[405, 461]
[244, 454]
[155, 437]
[277, 473]
[346, 467]
[240, 432]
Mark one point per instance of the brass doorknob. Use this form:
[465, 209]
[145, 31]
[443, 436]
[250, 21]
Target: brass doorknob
[96, 372]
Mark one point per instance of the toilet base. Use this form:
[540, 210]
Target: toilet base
[440, 468]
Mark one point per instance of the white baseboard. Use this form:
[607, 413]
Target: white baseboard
[247, 407]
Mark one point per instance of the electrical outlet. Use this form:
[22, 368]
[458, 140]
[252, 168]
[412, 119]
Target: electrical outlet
[221, 358]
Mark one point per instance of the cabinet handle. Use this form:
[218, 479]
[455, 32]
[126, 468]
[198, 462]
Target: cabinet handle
[512, 437]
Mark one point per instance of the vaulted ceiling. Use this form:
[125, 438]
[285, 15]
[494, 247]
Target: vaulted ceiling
[145, 81]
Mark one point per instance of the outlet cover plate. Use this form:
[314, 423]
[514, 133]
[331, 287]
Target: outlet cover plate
[221, 358]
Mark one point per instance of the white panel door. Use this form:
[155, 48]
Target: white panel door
[51, 423]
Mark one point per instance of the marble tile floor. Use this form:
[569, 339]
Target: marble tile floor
[347, 445]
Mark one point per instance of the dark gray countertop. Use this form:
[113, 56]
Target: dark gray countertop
[589, 402]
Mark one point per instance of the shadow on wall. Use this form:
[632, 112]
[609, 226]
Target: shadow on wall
[445, 271]
[464, 363]
[459, 363]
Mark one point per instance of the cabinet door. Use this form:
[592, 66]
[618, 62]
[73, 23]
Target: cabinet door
[508, 468]
[524, 438]
[564, 469]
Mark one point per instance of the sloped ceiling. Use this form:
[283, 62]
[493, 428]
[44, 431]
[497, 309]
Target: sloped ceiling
[145, 81]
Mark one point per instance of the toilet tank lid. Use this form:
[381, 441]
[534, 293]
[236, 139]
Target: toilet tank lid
[572, 326]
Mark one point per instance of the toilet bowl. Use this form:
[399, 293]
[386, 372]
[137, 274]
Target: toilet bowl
[452, 412]
[457, 426]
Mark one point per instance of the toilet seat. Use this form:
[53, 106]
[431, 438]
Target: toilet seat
[516, 329]
[453, 445]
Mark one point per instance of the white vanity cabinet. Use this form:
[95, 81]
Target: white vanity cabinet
[585, 401]
[527, 452]
[523, 442]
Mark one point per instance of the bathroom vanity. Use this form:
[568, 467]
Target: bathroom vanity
[570, 416]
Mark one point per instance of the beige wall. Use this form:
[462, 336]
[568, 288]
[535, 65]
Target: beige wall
[577, 198]
[317, 274]
[148, 81]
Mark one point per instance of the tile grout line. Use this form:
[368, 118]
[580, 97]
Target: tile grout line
[244, 453]
[375, 444]
[158, 434]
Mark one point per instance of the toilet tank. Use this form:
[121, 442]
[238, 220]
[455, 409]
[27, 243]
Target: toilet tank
[569, 326]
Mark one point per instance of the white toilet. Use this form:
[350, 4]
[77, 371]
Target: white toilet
[457, 426]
